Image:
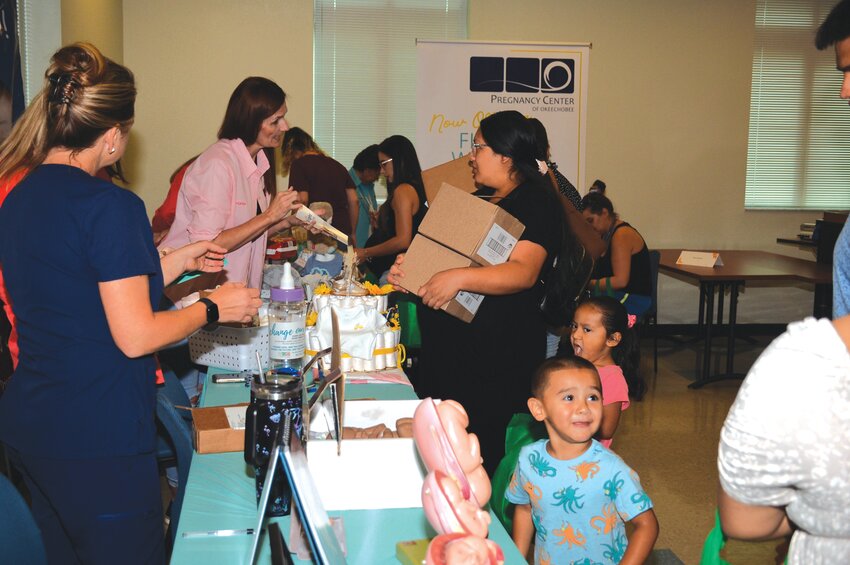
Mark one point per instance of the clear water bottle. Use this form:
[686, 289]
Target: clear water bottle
[287, 316]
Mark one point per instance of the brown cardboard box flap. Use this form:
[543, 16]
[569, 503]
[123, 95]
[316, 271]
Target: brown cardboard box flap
[471, 226]
[213, 433]
[455, 172]
[425, 258]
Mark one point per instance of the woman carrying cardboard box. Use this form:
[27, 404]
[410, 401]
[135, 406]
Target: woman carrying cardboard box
[487, 364]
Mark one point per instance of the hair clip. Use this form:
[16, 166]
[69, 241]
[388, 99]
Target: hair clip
[64, 88]
[542, 167]
[631, 320]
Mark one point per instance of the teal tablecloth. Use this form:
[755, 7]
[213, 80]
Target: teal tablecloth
[220, 495]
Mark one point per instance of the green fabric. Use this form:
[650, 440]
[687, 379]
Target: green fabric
[410, 336]
[522, 430]
[714, 544]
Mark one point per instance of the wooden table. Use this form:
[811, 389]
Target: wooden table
[738, 268]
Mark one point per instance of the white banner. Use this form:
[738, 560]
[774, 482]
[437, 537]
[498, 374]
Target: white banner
[461, 82]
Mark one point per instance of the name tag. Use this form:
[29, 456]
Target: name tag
[699, 259]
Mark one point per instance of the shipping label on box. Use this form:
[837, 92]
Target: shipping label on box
[425, 258]
[471, 226]
[218, 429]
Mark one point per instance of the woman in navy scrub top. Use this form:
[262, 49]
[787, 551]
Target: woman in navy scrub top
[83, 277]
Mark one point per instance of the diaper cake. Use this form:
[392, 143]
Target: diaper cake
[369, 331]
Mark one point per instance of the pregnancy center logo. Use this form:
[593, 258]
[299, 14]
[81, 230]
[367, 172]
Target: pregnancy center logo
[521, 74]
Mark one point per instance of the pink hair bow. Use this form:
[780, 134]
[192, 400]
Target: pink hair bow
[632, 319]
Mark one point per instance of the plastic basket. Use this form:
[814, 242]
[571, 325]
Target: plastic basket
[230, 348]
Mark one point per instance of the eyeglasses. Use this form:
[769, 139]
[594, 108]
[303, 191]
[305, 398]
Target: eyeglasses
[386, 162]
[477, 146]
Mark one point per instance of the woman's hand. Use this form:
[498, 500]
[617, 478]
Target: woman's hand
[294, 220]
[360, 253]
[203, 256]
[236, 303]
[282, 205]
[396, 274]
[199, 256]
[441, 288]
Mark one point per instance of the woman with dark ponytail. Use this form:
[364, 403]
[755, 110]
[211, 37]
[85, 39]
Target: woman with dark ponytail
[487, 364]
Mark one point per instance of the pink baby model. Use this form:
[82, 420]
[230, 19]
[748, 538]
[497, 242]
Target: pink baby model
[456, 487]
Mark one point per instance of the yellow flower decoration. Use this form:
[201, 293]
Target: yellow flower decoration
[322, 289]
[394, 322]
[311, 318]
[376, 290]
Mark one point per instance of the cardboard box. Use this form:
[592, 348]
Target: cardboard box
[369, 473]
[213, 432]
[471, 226]
[425, 258]
[456, 173]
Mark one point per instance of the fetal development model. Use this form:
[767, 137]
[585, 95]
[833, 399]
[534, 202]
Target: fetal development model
[456, 487]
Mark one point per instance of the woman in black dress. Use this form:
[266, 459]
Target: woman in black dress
[486, 365]
[399, 217]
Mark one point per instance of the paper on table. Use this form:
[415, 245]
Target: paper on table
[700, 259]
[235, 417]
[392, 376]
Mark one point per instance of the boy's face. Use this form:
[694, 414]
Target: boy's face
[571, 407]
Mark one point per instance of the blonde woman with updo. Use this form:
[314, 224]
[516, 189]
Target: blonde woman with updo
[83, 277]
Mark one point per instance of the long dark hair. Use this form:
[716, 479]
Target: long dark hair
[406, 170]
[406, 167]
[511, 134]
[626, 355]
[595, 202]
[253, 100]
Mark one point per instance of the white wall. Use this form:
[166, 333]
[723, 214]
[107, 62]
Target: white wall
[99, 22]
[188, 56]
[667, 124]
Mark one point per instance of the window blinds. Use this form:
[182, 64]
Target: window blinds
[798, 154]
[364, 67]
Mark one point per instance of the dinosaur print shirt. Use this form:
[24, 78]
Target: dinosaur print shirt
[579, 507]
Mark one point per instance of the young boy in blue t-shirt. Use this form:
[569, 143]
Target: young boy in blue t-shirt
[572, 495]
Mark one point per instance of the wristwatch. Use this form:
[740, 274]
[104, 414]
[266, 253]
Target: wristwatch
[212, 310]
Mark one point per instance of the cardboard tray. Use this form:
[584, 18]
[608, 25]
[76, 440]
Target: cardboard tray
[213, 434]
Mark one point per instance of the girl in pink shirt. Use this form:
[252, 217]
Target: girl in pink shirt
[602, 333]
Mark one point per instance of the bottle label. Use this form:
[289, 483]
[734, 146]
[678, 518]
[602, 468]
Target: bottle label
[286, 340]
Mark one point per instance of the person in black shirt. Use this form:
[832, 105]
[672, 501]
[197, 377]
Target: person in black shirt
[624, 270]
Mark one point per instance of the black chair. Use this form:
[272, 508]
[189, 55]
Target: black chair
[651, 315]
[20, 537]
[175, 439]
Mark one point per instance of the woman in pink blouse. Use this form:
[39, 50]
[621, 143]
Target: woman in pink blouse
[228, 194]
